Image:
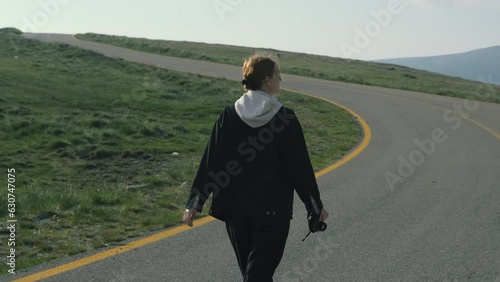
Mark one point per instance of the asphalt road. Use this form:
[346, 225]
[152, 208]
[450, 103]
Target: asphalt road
[420, 203]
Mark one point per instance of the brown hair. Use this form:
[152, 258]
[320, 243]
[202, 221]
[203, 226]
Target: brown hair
[255, 69]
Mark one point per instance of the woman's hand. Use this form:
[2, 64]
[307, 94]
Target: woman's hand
[323, 215]
[188, 216]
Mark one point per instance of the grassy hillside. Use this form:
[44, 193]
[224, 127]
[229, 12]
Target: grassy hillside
[91, 139]
[323, 67]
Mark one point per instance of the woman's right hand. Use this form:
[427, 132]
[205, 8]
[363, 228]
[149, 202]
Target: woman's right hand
[323, 215]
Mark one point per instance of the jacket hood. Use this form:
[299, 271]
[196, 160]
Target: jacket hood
[257, 108]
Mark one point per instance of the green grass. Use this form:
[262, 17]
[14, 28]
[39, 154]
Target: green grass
[323, 67]
[91, 139]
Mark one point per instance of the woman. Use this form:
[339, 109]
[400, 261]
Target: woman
[255, 158]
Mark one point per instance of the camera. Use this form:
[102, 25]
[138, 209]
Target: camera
[314, 224]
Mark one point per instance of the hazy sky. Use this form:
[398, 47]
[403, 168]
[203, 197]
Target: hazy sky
[366, 30]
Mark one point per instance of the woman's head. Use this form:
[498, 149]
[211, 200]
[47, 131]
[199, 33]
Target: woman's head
[260, 72]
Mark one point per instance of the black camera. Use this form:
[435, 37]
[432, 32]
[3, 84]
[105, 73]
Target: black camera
[314, 224]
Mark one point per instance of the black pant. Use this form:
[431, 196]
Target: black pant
[259, 244]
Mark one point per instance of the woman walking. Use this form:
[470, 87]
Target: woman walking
[254, 161]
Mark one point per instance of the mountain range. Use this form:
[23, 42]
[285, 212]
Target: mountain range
[480, 64]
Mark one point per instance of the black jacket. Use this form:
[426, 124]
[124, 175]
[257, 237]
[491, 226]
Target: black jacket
[254, 171]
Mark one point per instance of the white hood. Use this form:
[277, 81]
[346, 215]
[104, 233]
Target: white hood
[257, 108]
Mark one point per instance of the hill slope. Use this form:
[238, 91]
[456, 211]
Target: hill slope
[322, 67]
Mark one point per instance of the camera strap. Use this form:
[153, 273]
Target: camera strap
[306, 236]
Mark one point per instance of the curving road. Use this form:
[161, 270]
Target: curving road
[420, 203]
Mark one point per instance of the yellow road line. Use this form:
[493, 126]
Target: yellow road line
[111, 252]
[487, 129]
[365, 129]
[199, 222]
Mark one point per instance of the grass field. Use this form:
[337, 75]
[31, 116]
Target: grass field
[92, 142]
[323, 67]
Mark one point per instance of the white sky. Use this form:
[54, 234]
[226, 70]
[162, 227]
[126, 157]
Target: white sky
[414, 27]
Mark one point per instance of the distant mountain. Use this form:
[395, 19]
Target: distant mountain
[473, 65]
